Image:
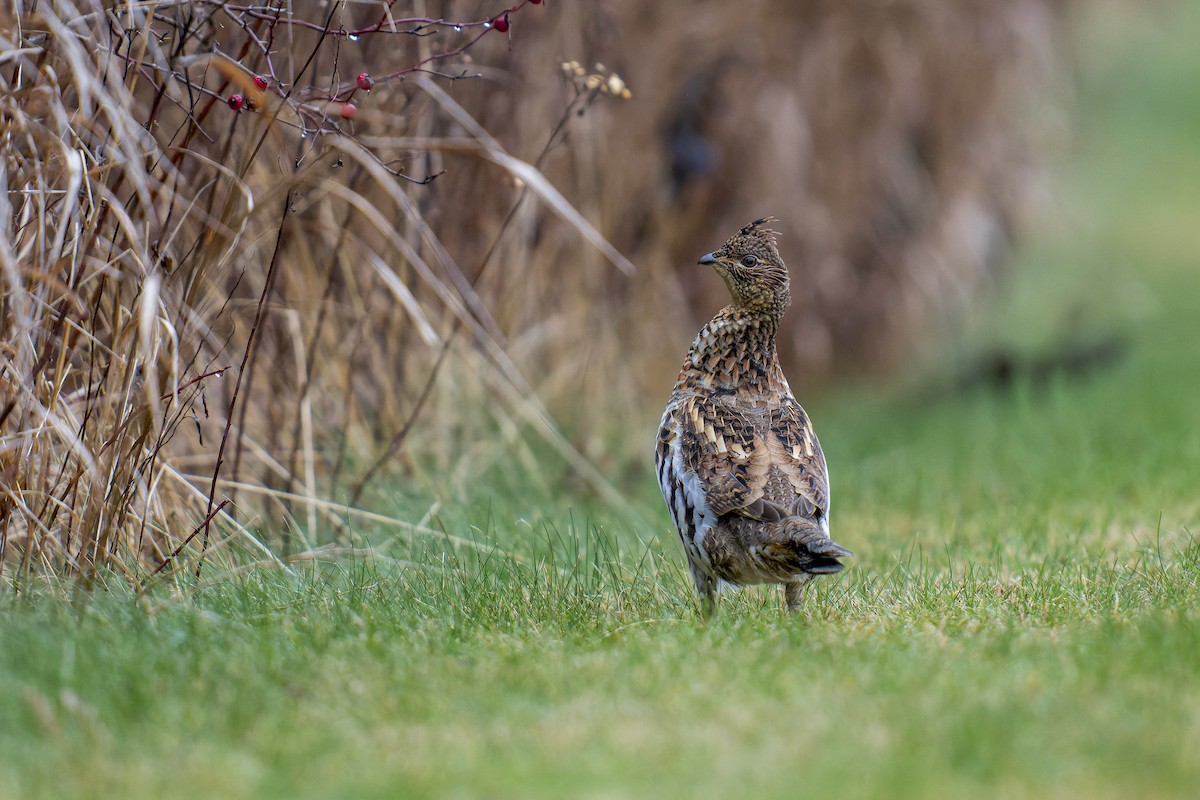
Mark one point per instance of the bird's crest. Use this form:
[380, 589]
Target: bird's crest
[756, 228]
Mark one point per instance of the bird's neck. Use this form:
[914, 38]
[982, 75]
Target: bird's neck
[735, 350]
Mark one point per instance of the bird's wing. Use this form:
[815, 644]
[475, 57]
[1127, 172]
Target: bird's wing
[732, 452]
[797, 453]
[723, 450]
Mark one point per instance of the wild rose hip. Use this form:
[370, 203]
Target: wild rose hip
[236, 102]
[348, 110]
[260, 82]
[501, 23]
[365, 81]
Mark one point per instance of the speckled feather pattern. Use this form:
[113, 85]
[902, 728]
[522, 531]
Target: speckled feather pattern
[740, 467]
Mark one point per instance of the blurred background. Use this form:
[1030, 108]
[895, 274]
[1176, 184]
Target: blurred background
[269, 273]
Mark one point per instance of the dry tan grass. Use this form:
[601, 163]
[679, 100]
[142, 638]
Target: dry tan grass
[219, 322]
[213, 305]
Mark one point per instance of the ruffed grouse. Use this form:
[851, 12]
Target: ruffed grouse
[739, 465]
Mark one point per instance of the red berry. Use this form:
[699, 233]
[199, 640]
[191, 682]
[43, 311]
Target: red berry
[536, 2]
[236, 101]
[365, 81]
[260, 81]
[348, 110]
[501, 23]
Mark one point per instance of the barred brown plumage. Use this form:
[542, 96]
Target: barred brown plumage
[740, 467]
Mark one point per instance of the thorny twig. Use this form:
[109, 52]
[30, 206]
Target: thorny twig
[203, 526]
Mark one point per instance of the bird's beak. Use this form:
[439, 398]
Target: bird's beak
[707, 258]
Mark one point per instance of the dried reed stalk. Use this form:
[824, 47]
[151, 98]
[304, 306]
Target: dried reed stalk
[215, 293]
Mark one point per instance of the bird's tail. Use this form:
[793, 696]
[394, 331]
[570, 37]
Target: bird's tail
[815, 552]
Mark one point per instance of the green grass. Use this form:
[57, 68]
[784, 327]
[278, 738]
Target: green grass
[1023, 619]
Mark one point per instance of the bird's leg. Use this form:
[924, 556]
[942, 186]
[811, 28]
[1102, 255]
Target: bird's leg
[706, 587]
[794, 594]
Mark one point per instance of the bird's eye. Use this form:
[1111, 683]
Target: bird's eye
[749, 261]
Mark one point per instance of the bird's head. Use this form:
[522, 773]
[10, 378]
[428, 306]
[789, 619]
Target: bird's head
[752, 268]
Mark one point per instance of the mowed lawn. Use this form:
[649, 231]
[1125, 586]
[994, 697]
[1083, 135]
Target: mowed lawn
[1022, 619]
